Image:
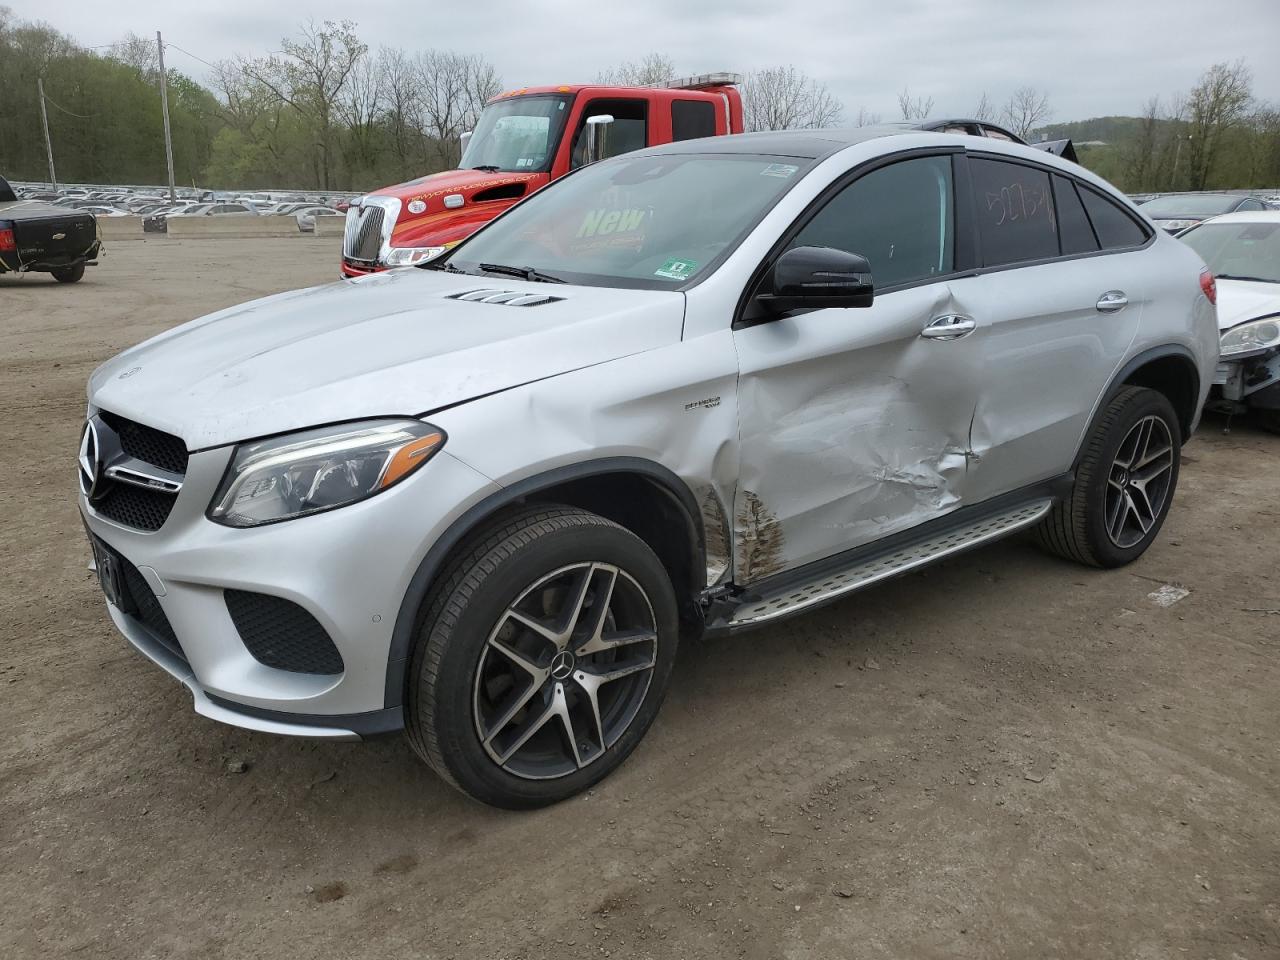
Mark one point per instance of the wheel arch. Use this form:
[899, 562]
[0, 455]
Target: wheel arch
[640, 495]
[1170, 369]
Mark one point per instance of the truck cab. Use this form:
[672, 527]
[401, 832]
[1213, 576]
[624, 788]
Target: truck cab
[523, 140]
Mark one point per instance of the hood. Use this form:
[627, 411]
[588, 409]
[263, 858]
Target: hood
[1241, 300]
[393, 343]
[474, 186]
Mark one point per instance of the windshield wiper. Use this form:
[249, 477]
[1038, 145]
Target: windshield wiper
[1231, 276]
[487, 167]
[445, 267]
[524, 273]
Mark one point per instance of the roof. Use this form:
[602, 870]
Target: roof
[809, 144]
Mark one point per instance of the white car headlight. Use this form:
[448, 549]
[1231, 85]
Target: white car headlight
[409, 256]
[322, 469]
[1250, 337]
[1173, 226]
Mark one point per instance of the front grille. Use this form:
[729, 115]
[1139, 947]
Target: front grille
[362, 235]
[281, 634]
[148, 444]
[131, 505]
[135, 506]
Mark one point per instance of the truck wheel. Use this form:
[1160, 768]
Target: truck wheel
[1124, 483]
[69, 274]
[541, 658]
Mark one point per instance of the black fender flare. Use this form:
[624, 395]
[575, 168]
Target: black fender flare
[402, 635]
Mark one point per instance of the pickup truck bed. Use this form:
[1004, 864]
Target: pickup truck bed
[45, 237]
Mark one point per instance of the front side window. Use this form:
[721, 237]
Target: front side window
[629, 130]
[1014, 208]
[643, 222]
[900, 217]
[517, 134]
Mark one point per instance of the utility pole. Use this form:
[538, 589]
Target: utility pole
[44, 121]
[164, 106]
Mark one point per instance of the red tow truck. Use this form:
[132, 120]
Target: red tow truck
[523, 140]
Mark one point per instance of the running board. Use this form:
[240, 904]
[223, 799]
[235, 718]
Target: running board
[881, 566]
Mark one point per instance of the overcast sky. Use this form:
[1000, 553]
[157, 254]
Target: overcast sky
[1092, 57]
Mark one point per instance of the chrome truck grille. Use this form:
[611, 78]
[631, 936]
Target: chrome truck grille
[367, 231]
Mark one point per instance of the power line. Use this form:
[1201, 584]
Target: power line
[51, 103]
[173, 46]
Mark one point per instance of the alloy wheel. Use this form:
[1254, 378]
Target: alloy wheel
[1138, 484]
[565, 670]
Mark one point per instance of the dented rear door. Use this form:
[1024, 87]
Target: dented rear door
[853, 426]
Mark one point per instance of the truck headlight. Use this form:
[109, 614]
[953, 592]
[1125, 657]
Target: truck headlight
[322, 469]
[1250, 337]
[409, 256]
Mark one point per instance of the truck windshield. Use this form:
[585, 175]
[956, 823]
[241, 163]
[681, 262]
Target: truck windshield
[643, 222]
[517, 134]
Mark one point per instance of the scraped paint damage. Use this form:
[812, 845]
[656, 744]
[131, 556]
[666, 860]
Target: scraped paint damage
[762, 539]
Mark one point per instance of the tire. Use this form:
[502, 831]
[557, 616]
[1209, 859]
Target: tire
[482, 675]
[1096, 525]
[69, 274]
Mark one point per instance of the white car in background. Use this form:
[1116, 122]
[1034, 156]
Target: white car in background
[306, 216]
[1243, 251]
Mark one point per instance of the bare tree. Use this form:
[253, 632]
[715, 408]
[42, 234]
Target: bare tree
[138, 52]
[453, 89]
[651, 70]
[1025, 110]
[917, 108]
[985, 110]
[1142, 156]
[784, 98]
[1218, 103]
[310, 74]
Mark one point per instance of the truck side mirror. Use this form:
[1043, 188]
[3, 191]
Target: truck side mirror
[597, 147]
[464, 138]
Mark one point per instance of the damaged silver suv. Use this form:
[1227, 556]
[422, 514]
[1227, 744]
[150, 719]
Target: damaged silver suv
[694, 389]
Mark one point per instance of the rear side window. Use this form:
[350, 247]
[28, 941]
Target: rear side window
[1111, 222]
[691, 119]
[1073, 224]
[1014, 207]
[899, 217]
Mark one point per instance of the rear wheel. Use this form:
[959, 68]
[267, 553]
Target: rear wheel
[1124, 483]
[542, 658]
[69, 274]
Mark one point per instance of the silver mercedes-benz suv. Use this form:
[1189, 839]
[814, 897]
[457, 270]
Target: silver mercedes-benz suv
[694, 389]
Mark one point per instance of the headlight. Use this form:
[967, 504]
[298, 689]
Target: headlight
[408, 256]
[1248, 337]
[1173, 226]
[317, 470]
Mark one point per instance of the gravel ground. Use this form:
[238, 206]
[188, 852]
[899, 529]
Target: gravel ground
[1003, 756]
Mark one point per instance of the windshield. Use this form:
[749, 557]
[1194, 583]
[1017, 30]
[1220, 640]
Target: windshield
[644, 222]
[1245, 251]
[1189, 205]
[517, 134]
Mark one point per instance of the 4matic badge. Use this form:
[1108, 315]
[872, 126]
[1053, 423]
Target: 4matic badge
[708, 403]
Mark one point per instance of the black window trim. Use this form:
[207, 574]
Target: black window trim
[1077, 183]
[962, 236]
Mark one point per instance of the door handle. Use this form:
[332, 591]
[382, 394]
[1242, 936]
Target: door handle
[1113, 301]
[950, 327]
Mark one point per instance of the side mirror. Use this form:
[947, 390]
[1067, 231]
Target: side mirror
[597, 136]
[814, 277]
[464, 138]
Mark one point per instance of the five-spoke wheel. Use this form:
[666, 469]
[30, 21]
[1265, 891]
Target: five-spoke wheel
[1138, 485]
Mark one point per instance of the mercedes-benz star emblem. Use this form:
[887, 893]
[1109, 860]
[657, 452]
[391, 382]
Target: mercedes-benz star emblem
[88, 459]
[562, 665]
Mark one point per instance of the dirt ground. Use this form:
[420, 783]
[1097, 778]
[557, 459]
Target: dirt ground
[1003, 756]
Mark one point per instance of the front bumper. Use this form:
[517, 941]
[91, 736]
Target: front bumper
[348, 568]
[1247, 382]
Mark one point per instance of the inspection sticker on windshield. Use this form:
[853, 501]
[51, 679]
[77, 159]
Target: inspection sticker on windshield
[783, 170]
[675, 269]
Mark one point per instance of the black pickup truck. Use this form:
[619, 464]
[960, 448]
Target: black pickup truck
[45, 238]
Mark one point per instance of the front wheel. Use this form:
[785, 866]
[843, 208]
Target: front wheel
[69, 274]
[1124, 483]
[542, 658]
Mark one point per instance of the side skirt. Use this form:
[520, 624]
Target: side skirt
[823, 581]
